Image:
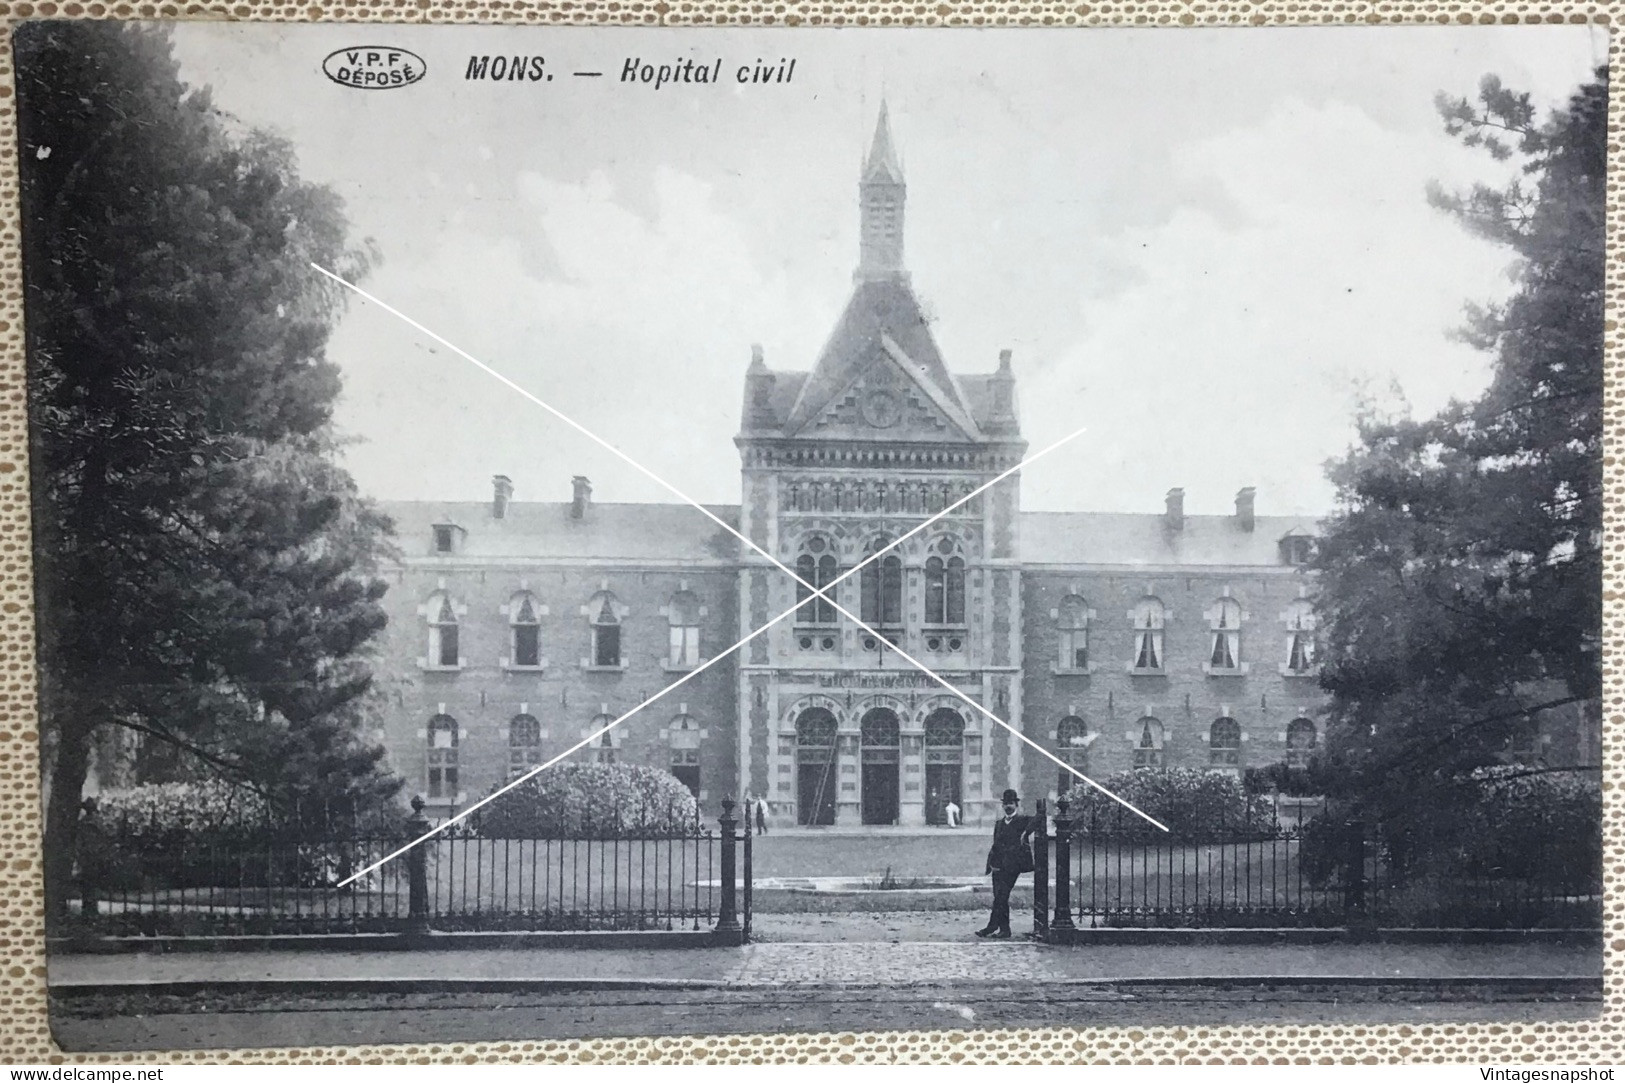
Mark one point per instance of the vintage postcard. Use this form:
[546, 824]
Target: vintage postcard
[551, 533]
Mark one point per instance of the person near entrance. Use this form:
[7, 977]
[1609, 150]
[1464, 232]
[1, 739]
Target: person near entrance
[1010, 855]
[951, 812]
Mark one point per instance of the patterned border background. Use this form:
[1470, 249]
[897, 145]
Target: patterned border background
[25, 1038]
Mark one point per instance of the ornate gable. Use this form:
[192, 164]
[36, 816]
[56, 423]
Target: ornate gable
[886, 401]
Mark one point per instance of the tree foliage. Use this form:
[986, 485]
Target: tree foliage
[1460, 581]
[204, 570]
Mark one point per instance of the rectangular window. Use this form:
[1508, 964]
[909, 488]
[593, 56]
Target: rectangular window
[442, 539]
[606, 645]
[448, 645]
[1148, 650]
[442, 765]
[1226, 649]
[1147, 757]
[685, 645]
[1301, 653]
[526, 645]
[1075, 649]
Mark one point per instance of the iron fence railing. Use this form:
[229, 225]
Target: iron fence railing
[274, 880]
[1260, 871]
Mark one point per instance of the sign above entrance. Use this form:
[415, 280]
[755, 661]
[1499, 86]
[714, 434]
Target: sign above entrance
[880, 680]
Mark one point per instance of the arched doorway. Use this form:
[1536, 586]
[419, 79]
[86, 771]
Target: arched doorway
[815, 767]
[944, 763]
[882, 739]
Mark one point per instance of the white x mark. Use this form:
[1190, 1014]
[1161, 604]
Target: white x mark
[815, 592]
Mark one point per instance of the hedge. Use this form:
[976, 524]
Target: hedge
[593, 800]
[1195, 806]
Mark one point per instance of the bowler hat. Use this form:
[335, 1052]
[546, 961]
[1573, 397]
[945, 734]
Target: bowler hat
[1011, 798]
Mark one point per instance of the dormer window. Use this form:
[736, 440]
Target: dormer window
[446, 537]
[1297, 549]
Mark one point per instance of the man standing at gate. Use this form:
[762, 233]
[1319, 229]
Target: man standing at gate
[1010, 855]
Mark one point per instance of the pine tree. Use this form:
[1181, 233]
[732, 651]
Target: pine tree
[1461, 581]
[204, 571]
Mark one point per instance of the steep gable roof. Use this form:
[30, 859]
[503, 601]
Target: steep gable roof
[880, 308]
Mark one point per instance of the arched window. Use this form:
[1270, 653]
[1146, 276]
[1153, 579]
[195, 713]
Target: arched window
[684, 736]
[944, 729]
[816, 567]
[524, 744]
[605, 618]
[880, 729]
[1224, 743]
[816, 728]
[1300, 742]
[1072, 741]
[443, 649]
[881, 582]
[683, 614]
[441, 758]
[525, 626]
[945, 584]
[1072, 629]
[1148, 618]
[606, 743]
[1148, 743]
[1300, 637]
[944, 763]
[1224, 649]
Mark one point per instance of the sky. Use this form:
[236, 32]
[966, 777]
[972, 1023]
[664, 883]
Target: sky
[1206, 247]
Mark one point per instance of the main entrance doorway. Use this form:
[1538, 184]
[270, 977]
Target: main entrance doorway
[944, 764]
[815, 768]
[882, 739]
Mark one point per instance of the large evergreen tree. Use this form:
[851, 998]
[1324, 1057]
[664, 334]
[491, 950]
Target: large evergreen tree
[204, 571]
[1461, 580]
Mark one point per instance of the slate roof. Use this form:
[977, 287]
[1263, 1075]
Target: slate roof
[1066, 537]
[878, 307]
[882, 164]
[676, 533]
[532, 529]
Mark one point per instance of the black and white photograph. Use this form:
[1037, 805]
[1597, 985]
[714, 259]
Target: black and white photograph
[596, 532]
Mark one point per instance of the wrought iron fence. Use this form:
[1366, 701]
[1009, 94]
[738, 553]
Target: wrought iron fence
[279, 880]
[1264, 873]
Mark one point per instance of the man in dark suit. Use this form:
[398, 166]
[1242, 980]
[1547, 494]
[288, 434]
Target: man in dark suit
[1010, 855]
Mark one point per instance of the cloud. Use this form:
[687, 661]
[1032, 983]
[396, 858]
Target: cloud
[1232, 351]
[638, 327]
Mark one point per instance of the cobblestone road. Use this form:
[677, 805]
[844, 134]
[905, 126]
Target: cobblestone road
[239, 1021]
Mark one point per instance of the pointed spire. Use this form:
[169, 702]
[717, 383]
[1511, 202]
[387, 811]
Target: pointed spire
[881, 194]
[881, 165]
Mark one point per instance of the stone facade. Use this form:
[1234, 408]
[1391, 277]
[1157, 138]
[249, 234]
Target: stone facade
[566, 615]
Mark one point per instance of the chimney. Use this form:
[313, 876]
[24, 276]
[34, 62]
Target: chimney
[580, 497]
[1244, 508]
[501, 493]
[1174, 519]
